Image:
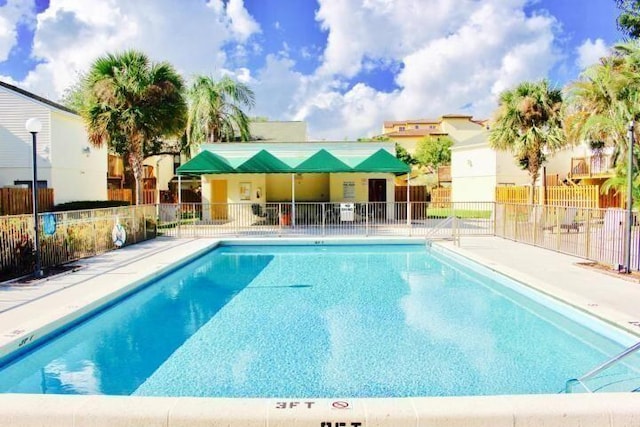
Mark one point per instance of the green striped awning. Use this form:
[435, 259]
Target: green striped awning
[263, 162]
[322, 161]
[382, 161]
[206, 162]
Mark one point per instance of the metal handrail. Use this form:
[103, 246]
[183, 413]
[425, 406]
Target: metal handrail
[569, 384]
[448, 220]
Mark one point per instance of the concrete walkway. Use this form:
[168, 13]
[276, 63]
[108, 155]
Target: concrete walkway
[30, 311]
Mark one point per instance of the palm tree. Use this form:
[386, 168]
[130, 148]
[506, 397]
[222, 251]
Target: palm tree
[215, 110]
[528, 122]
[603, 101]
[130, 103]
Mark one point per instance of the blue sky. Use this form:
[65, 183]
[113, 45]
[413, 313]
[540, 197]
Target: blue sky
[343, 66]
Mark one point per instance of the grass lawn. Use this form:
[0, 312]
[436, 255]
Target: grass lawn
[459, 213]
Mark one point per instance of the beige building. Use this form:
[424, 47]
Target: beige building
[268, 173]
[408, 133]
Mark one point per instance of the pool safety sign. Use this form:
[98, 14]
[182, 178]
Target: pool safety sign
[339, 416]
[347, 212]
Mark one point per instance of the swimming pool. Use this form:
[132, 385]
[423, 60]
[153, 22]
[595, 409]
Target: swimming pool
[319, 321]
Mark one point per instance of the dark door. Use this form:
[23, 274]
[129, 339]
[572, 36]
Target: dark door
[377, 195]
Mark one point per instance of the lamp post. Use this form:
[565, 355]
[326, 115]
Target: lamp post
[33, 126]
[628, 235]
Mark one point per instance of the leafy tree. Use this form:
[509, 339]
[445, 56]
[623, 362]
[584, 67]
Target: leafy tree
[215, 110]
[403, 155]
[130, 104]
[434, 151]
[528, 122]
[73, 97]
[629, 19]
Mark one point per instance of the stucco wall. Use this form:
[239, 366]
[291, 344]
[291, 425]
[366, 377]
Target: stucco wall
[473, 176]
[80, 170]
[162, 168]
[309, 187]
[361, 181]
[461, 128]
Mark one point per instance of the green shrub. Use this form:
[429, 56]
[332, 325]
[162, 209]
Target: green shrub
[89, 204]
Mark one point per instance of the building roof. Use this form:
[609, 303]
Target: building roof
[37, 98]
[415, 132]
[391, 123]
[323, 161]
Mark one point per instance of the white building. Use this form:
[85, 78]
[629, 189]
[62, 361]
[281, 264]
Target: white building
[477, 169]
[65, 159]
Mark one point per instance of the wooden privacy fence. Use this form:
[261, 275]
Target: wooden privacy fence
[127, 195]
[17, 201]
[417, 193]
[441, 197]
[77, 234]
[581, 196]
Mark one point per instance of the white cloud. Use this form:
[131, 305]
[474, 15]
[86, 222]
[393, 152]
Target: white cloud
[454, 54]
[71, 34]
[590, 52]
[445, 55]
[13, 13]
[242, 24]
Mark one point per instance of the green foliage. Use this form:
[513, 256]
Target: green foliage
[605, 99]
[74, 97]
[403, 155]
[88, 204]
[629, 19]
[434, 151]
[130, 104]
[215, 110]
[528, 122]
[374, 138]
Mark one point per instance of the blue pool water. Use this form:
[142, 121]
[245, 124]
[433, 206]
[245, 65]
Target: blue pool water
[316, 321]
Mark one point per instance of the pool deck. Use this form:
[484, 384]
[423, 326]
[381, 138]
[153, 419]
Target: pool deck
[29, 311]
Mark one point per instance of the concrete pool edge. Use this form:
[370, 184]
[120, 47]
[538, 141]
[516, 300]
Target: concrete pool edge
[584, 409]
[611, 317]
[43, 326]
[614, 409]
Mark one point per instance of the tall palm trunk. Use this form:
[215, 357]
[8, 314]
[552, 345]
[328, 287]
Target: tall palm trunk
[136, 167]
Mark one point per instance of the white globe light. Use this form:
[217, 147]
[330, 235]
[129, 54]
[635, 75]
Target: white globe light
[33, 125]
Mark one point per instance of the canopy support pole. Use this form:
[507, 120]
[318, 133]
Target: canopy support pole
[408, 200]
[179, 189]
[293, 199]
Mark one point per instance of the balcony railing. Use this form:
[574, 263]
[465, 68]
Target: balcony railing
[589, 167]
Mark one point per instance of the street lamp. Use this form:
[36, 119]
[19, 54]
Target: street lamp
[33, 126]
[628, 234]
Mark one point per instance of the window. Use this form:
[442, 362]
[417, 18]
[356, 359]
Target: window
[41, 184]
[432, 126]
[417, 126]
[401, 128]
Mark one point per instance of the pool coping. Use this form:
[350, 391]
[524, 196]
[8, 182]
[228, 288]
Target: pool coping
[25, 410]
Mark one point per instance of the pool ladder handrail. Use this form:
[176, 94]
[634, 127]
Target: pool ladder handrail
[442, 224]
[615, 359]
